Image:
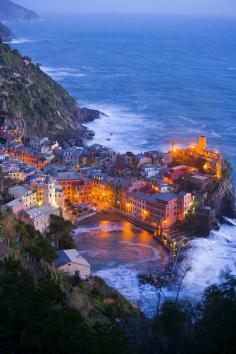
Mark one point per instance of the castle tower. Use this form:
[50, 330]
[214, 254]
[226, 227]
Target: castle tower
[202, 143]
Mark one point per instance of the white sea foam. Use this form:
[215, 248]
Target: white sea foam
[20, 41]
[62, 73]
[125, 279]
[106, 227]
[155, 253]
[208, 258]
[120, 129]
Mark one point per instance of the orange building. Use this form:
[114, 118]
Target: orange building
[28, 156]
[75, 187]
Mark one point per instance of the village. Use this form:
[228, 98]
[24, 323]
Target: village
[39, 178]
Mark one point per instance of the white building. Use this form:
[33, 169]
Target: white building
[71, 262]
[40, 217]
[26, 194]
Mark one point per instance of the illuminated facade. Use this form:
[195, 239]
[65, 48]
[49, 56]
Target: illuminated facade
[75, 187]
[28, 156]
[157, 209]
[199, 158]
[49, 192]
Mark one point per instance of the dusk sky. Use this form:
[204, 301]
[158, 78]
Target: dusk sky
[206, 7]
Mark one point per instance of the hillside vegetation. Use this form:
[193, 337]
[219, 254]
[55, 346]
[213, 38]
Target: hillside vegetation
[36, 103]
[44, 311]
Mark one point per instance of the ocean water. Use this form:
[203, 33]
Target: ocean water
[158, 79]
[119, 252]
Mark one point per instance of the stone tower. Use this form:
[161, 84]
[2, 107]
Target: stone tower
[50, 191]
[202, 143]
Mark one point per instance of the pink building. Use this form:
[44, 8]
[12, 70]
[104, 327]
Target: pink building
[158, 209]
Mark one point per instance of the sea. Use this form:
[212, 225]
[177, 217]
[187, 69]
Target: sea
[157, 79]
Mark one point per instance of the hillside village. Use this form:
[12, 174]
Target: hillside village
[154, 189]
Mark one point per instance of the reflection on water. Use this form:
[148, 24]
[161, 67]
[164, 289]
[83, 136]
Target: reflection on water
[118, 253]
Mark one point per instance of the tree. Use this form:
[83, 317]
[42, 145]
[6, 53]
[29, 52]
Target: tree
[60, 232]
[33, 243]
[8, 228]
[216, 327]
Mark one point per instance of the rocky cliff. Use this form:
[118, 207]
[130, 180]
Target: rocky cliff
[11, 11]
[216, 202]
[211, 203]
[33, 101]
[220, 197]
[5, 33]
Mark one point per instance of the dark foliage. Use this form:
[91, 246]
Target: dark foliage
[34, 318]
[60, 232]
[206, 328]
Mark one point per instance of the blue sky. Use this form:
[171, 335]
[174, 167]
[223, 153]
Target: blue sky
[206, 7]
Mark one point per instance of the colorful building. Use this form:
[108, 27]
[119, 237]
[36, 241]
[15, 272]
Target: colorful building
[155, 208]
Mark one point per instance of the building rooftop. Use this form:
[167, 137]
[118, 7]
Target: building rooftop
[68, 176]
[152, 198]
[179, 167]
[14, 203]
[69, 256]
[200, 177]
[40, 211]
[20, 191]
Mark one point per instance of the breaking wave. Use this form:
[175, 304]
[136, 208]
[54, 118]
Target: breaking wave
[207, 258]
[155, 254]
[62, 73]
[106, 227]
[20, 41]
[119, 128]
[125, 279]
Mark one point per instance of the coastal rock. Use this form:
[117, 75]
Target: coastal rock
[89, 115]
[10, 11]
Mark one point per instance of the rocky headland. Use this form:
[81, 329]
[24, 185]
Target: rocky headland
[10, 11]
[34, 102]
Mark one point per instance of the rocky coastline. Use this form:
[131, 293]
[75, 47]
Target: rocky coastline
[35, 103]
